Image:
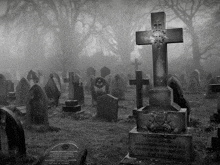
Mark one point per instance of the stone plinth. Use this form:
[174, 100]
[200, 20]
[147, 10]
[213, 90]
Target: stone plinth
[71, 106]
[143, 145]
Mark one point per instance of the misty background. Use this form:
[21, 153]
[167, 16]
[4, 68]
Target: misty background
[65, 35]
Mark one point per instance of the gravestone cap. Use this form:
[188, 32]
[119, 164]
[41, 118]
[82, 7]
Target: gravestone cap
[67, 153]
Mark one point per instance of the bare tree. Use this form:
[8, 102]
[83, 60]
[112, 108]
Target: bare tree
[186, 11]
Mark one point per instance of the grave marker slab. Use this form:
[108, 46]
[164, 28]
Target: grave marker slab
[67, 153]
[90, 71]
[215, 88]
[3, 90]
[118, 87]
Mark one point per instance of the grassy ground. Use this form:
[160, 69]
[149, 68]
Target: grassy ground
[107, 142]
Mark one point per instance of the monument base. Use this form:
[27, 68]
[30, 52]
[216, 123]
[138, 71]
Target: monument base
[72, 109]
[145, 145]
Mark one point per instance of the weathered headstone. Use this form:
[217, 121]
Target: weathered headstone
[194, 82]
[32, 77]
[79, 92]
[67, 153]
[10, 86]
[99, 87]
[21, 91]
[52, 91]
[105, 71]
[14, 131]
[90, 72]
[161, 130]
[37, 106]
[57, 80]
[139, 82]
[183, 81]
[3, 90]
[107, 107]
[118, 87]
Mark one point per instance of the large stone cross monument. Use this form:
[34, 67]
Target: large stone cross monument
[161, 130]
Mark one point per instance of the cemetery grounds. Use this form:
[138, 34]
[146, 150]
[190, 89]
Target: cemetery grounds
[107, 142]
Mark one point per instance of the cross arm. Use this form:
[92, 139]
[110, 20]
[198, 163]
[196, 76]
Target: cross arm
[145, 81]
[143, 37]
[174, 35]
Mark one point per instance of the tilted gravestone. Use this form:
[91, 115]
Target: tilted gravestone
[37, 106]
[107, 107]
[52, 91]
[57, 80]
[14, 132]
[118, 87]
[99, 87]
[21, 91]
[3, 90]
[66, 153]
[161, 130]
[105, 71]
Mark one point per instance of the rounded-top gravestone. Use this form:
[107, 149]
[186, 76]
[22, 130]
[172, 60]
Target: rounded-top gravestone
[21, 91]
[37, 106]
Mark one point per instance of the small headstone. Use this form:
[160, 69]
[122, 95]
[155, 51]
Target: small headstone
[209, 94]
[37, 106]
[67, 153]
[21, 91]
[118, 87]
[194, 82]
[14, 131]
[107, 108]
[52, 91]
[32, 77]
[99, 87]
[105, 71]
[90, 72]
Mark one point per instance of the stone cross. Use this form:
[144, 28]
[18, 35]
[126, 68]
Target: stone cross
[70, 80]
[159, 37]
[136, 63]
[139, 82]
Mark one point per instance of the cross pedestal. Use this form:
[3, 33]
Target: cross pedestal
[161, 130]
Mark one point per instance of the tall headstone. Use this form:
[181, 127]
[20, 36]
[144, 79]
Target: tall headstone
[99, 87]
[52, 90]
[118, 87]
[105, 71]
[161, 130]
[215, 88]
[21, 91]
[3, 90]
[107, 108]
[37, 106]
[14, 131]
